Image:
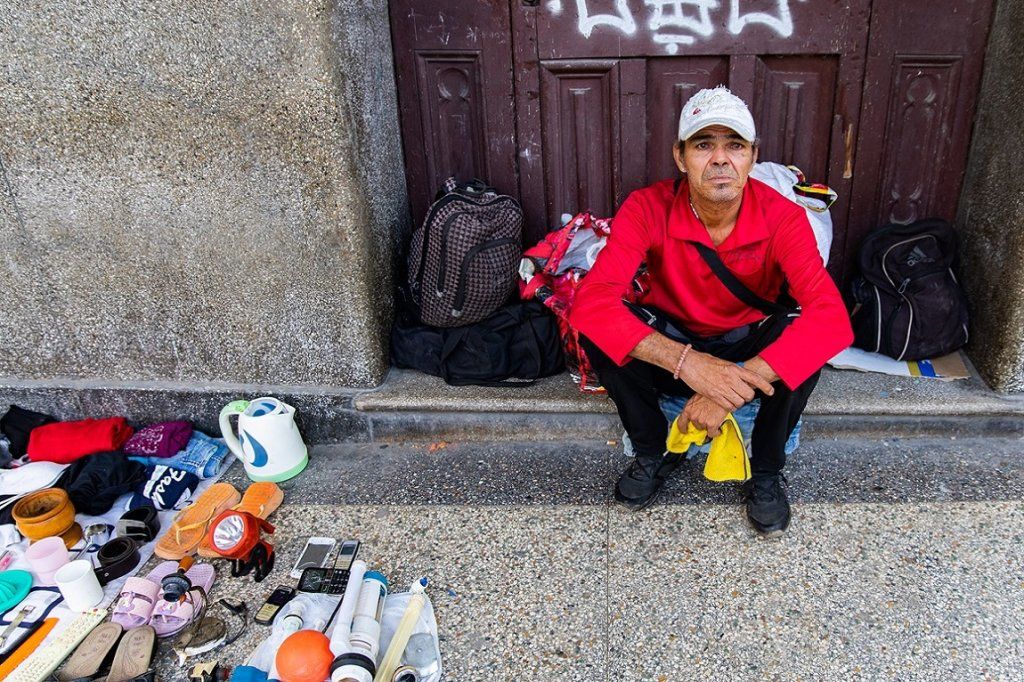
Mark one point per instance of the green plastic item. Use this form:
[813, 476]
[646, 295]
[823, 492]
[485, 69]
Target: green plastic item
[14, 586]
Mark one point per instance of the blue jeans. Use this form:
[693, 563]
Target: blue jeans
[203, 456]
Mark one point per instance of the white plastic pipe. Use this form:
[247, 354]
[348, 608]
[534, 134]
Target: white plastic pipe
[365, 636]
[343, 622]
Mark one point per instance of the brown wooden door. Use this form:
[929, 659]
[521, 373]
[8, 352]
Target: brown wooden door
[572, 104]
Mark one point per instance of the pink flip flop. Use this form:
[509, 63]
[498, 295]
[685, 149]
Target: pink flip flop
[170, 618]
[139, 596]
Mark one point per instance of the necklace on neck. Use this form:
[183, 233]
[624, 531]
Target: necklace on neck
[694, 209]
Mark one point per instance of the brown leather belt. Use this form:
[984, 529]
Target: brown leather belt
[47, 513]
[117, 558]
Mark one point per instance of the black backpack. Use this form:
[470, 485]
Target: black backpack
[910, 305]
[513, 347]
[462, 261]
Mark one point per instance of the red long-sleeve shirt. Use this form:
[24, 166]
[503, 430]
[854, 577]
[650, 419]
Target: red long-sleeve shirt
[772, 242]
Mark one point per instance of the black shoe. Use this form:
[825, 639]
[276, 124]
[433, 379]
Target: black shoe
[767, 505]
[641, 482]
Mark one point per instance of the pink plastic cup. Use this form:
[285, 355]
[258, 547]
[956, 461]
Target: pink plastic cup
[45, 557]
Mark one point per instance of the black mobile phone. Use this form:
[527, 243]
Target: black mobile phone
[331, 580]
[278, 598]
[342, 565]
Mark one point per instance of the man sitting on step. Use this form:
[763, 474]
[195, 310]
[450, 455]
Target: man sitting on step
[740, 306]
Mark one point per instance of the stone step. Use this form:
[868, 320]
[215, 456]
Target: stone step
[414, 406]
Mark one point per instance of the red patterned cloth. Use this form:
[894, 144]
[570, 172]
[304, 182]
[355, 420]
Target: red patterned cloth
[64, 442]
[164, 439]
[558, 262]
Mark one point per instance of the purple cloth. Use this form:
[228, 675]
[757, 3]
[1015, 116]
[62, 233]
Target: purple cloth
[159, 440]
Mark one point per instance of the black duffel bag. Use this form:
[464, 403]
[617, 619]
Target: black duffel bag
[515, 346]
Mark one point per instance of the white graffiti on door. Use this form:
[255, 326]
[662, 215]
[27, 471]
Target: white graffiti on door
[782, 24]
[686, 20]
[622, 19]
[674, 14]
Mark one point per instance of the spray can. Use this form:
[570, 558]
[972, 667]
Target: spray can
[358, 664]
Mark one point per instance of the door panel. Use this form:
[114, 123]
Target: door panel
[795, 98]
[921, 109]
[579, 120]
[453, 68]
[452, 118]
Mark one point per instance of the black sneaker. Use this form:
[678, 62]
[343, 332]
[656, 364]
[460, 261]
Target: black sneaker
[767, 505]
[641, 482]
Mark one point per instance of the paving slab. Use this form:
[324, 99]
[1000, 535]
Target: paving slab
[851, 592]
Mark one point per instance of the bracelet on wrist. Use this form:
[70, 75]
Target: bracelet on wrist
[682, 358]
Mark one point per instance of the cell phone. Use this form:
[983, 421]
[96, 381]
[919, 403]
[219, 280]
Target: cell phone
[278, 598]
[331, 580]
[314, 555]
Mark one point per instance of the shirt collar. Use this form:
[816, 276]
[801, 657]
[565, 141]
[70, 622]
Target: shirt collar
[750, 224]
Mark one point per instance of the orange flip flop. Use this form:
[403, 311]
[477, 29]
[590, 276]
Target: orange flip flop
[189, 527]
[260, 499]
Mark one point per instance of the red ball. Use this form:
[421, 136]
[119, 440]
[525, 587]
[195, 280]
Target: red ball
[305, 656]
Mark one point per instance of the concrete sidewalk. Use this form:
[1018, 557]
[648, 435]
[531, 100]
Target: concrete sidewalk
[904, 561]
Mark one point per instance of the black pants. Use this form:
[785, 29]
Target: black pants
[635, 387]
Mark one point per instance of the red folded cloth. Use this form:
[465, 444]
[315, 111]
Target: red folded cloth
[159, 440]
[64, 442]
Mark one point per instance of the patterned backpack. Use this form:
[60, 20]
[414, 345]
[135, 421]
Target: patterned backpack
[462, 262]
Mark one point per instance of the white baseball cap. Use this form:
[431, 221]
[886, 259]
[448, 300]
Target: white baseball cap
[716, 106]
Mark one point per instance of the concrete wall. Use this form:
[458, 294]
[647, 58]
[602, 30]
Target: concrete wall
[992, 208]
[198, 191]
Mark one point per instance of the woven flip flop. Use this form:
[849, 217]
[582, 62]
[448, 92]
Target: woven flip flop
[260, 499]
[134, 655]
[92, 653]
[189, 527]
[170, 618]
[139, 596]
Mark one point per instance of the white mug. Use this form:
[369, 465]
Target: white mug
[79, 585]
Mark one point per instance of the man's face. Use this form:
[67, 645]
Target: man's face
[716, 161]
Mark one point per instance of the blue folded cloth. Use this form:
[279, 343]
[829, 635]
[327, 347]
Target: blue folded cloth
[203, 456]
[166, 488]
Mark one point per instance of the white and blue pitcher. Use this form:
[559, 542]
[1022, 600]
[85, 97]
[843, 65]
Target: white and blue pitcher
[271, 446]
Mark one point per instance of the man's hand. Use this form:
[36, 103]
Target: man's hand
[704, 413]
[758, 365]
[726, 383]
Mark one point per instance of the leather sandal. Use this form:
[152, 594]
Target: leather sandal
[260, 499]
[134, 655]
[91, 655]
[190, 524]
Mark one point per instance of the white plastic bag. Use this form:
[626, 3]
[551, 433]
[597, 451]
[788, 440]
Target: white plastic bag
[782, 179]
[394, 607]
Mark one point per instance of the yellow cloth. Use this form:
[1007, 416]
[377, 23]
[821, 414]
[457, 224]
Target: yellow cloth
[727, 461]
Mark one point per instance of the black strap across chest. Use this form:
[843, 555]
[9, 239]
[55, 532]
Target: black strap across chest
[736, 287]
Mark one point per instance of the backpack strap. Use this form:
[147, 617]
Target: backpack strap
[736, 287]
